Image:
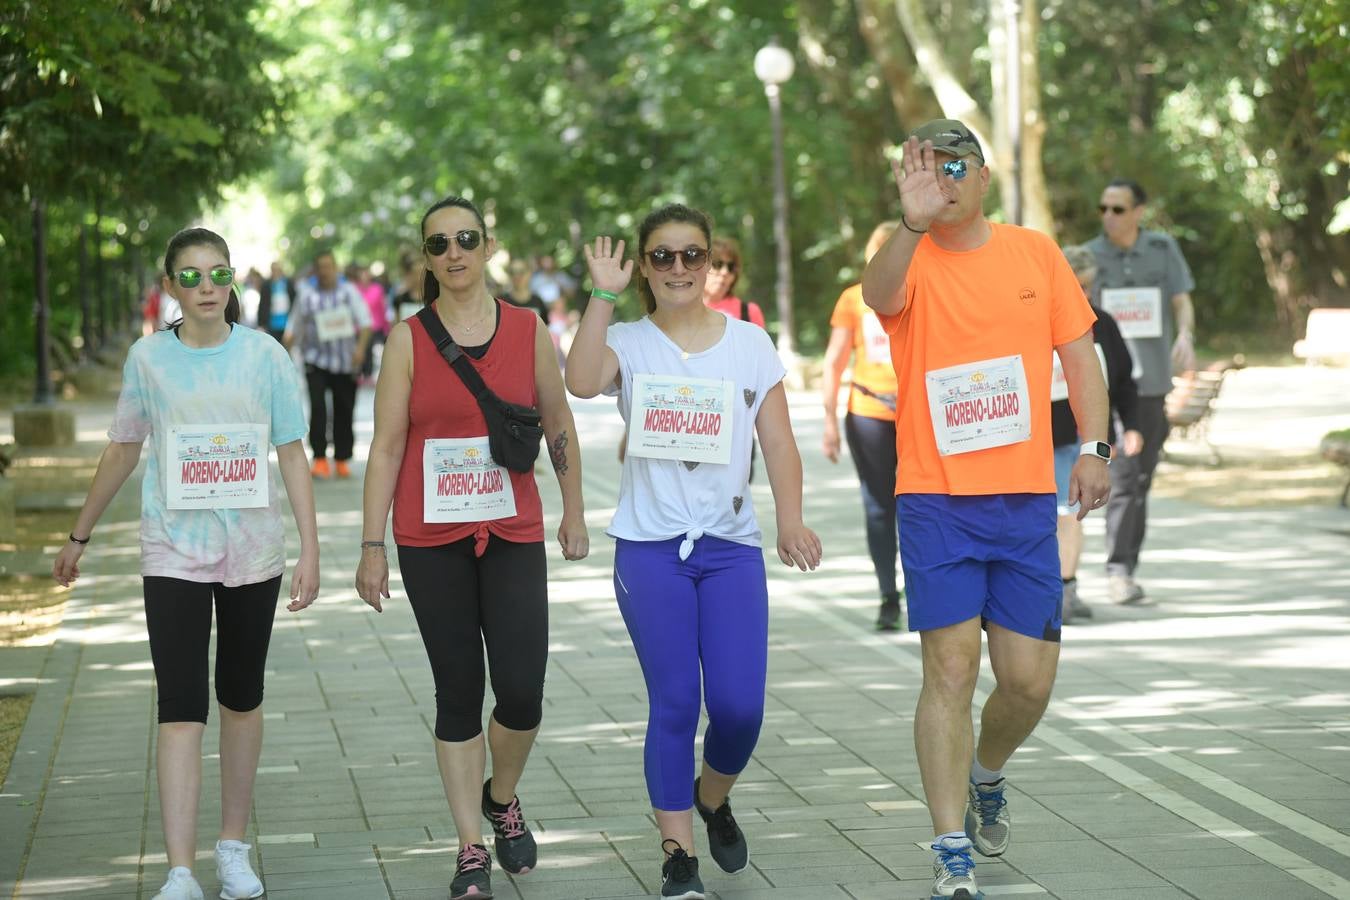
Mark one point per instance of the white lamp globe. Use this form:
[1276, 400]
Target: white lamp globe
[773, 64]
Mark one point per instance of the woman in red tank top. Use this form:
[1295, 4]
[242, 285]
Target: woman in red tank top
[470, 533]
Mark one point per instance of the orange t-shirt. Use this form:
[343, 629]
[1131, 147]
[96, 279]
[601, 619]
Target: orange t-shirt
[1014, 295]
[872, 367]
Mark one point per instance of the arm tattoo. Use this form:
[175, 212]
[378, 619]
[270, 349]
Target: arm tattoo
[557, 451]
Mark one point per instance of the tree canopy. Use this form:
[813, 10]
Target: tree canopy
[566, 120]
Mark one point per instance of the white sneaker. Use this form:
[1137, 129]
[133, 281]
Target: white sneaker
[237, 881]
[180, 885]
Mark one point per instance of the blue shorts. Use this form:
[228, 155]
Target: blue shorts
[993, 556]
[1065, 458]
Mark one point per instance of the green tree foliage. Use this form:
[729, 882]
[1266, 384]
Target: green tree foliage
[143, 108]
[563, 121]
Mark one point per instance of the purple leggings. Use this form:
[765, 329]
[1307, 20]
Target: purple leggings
[707, 615]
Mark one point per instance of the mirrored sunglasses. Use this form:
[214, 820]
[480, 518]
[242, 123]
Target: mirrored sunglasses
[221, 276]
[662, 259]
[955, 169]
[436, 244]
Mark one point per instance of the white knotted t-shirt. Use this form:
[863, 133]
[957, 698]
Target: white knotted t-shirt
[661, 498]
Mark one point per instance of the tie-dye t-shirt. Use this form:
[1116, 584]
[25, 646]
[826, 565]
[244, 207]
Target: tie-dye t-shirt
[249, 378]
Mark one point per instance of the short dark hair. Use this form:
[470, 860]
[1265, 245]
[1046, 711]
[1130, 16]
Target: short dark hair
[200, 237]
[671, 212]
[1135, 189]
[324, 251]
[431, 288]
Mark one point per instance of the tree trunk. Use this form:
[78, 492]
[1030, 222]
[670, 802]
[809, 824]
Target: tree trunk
[913, 102]
[955, 100]
[42, 392]
[1036, 212]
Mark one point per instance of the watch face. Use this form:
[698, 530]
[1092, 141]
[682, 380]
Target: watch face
[1103, 450]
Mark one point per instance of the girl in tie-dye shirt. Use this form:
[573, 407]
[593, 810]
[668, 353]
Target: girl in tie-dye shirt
[212, 397]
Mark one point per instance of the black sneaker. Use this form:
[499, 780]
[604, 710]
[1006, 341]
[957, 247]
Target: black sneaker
[516, 851]
[473, 874]
[888, 617]
[726, 841]
[679, 873]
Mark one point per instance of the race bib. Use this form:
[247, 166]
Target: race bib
[335, 324]
[876, 342]
[1137, 310]
[980, 405]
[216, 466]
[1059, 385]
[689, 419]
[461, 483]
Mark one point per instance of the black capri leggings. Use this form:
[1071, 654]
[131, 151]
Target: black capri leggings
[178, 617]
[463, 602]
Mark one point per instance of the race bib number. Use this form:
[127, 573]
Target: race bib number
[461, 483]
[977, 406]
[689, 419]
[335, 324]
[876, 342]
[1059, 386]
[1137, 310]
[216, 466]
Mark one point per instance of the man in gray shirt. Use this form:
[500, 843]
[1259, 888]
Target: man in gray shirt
[1144, 283]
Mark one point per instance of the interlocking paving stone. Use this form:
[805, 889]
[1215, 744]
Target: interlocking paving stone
[1232, 673]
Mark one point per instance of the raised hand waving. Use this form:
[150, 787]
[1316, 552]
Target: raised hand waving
[609, 271]
[925, 190]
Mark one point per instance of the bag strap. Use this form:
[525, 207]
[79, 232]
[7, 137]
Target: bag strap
[453, 354]
[745, 311]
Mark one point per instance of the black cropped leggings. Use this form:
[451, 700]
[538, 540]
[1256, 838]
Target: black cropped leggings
[463, 602]
[178, 617]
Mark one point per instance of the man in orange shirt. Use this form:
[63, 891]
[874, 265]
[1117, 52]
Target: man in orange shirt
[974, 310]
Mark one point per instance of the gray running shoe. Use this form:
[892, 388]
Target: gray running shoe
[1073, 607]
[516, 850]
[1124, 589]
[473, 874]
[954, 871]
[987, 819]
[679, 874]
[889, 616]
[726, 841]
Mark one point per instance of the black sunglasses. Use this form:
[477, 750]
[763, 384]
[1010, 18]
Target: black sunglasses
[1118, 210]
[728, 264]
[694, 258]
[436, 244]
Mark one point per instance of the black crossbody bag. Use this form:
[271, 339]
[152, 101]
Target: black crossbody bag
[514, 431]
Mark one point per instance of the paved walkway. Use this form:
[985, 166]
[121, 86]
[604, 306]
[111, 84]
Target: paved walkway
[1196, 748]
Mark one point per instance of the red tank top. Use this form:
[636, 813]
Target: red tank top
[440, 406]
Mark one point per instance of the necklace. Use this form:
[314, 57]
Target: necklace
[469, 329]
[692, 339]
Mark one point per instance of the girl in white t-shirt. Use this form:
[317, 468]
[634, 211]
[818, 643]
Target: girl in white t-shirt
[693, 384]
[212, 397]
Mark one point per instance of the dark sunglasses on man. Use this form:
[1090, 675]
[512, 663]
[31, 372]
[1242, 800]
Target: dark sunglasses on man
[1118, 210]
[436, 244]
[663, 259]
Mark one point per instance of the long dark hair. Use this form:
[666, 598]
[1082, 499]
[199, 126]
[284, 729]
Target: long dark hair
[671, 212]
[200, 237]
[431, 288]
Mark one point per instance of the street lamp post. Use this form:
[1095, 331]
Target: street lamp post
[773, 66]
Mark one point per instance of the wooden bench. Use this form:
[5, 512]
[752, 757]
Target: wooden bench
[1326, 337]
[1191, 401]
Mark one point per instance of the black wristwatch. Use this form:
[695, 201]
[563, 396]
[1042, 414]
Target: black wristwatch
[1099, 449]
